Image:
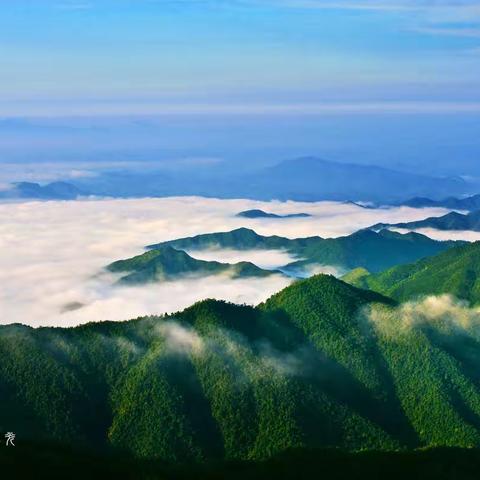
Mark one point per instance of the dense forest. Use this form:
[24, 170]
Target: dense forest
[321, 364]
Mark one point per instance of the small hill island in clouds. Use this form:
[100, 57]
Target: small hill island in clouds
[166, 263]
[255, 213]
[240, 239]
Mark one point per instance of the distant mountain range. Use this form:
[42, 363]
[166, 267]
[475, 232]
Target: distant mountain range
[303, 179]
[168, 263]
[469, 203]
[51, 191]
[217, 381]
[313, 179]
[262, 214]
[369, 249]
[450, 221]
[455, 272]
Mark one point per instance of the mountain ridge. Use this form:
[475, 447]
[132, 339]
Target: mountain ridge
[470, 203]
[451, 221]
[372, 250]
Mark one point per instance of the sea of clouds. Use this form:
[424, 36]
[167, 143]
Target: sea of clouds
[52, 253]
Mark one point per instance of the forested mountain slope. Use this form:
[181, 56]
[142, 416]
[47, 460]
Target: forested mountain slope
[455, 272]
[320, 364]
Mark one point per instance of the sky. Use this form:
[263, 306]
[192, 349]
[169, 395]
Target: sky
[228, 79]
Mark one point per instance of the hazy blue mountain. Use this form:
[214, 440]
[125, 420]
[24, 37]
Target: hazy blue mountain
[167, 263]
[302, 179]
[469, 203]
[136, 184]
[450, 221]
[369, 249]
[262, 214]
[311, 179]
[51, 191]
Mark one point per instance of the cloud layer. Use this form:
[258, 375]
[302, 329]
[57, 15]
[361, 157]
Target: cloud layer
[51, 253]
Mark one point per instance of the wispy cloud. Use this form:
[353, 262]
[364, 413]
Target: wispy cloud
[455, 32]
[398, 5]
[88, 109]
[434, 17]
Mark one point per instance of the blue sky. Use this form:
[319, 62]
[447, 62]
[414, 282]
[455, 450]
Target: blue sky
[138, 56]
[393, 83]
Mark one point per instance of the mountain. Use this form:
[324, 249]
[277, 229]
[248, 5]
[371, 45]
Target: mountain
[167, 263]
[315, 366]
[312, 179]
[455, 272]
[469, 203]
[375, 251]
[301, 179]
[51, 191]
[450, 221]
[262, 214]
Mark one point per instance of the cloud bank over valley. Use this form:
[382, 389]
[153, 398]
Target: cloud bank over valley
[53, 253]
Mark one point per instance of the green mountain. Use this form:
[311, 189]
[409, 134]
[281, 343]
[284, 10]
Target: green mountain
[450, 221]
[455, 272]
[375, 251]
[320, 364]
[167, 263]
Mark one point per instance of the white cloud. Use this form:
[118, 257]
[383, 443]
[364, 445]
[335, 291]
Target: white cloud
[467, 235]
[51, 252]
[180, 339]
[441, 312]
[269, 259]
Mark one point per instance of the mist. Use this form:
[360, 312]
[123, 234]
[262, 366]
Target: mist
[442, 313]
[53, 253]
